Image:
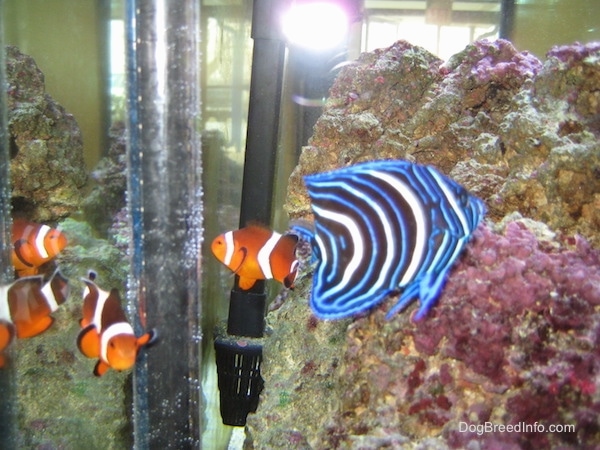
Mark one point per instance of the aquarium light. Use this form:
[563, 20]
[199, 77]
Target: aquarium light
[315, 25]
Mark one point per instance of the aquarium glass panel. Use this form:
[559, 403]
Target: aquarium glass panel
[84, 221]
[78, 310]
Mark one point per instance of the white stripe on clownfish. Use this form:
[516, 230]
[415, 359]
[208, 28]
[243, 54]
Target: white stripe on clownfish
[39, 240]
[102, 297]
[264, 254]
[50, 297]
[4, 307]
[113, 330]
[294, 266]
[230, 246]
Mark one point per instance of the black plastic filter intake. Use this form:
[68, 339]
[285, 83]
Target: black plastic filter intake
[240, 382]
[239, 355]
[239, 350]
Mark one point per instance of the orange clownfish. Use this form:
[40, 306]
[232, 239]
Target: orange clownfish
[26, 305]
[257, 253]
[105, 333]
[34, 244]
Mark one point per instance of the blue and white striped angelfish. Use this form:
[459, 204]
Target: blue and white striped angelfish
[383, 226]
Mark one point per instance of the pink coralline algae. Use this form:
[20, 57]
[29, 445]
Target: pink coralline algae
[577, 52]
[514, 338]
[514, 272]
[496, 61]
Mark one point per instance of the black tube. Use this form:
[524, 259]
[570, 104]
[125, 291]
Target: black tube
[246, 313]
[164, 188]
[239, 359]
[8, 388]
[507, 19]
[268, 60]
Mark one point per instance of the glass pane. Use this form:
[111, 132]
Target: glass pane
[345, 384]
[66, 111]
[67, 119]
[442, 27]
[226, 66]
[541, 24]
[58, 112]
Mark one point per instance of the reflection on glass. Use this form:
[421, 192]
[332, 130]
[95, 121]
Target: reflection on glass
[442, 27]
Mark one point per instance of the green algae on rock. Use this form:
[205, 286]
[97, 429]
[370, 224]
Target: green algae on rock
[46, 148]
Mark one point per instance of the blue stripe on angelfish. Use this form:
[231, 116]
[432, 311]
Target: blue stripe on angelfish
[383, 226]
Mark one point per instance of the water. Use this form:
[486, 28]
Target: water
[79, 48]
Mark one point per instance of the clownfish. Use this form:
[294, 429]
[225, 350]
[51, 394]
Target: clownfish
[34, 244]
[105, 333]
[26, 305]
[257, 253]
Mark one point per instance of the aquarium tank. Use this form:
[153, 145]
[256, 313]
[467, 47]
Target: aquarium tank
[299, 224]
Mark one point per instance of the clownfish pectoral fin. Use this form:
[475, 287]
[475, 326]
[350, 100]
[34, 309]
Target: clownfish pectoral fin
[88, 342]
[23, 253]
[100, 368]
[31, 329]
[244, 252]
[246, 283]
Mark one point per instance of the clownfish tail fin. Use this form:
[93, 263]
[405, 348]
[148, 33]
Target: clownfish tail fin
[288, 281]
[292, 237]
[153, 337]
[148, 339]
[290, 278]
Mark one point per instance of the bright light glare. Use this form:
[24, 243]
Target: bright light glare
[315, 25]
